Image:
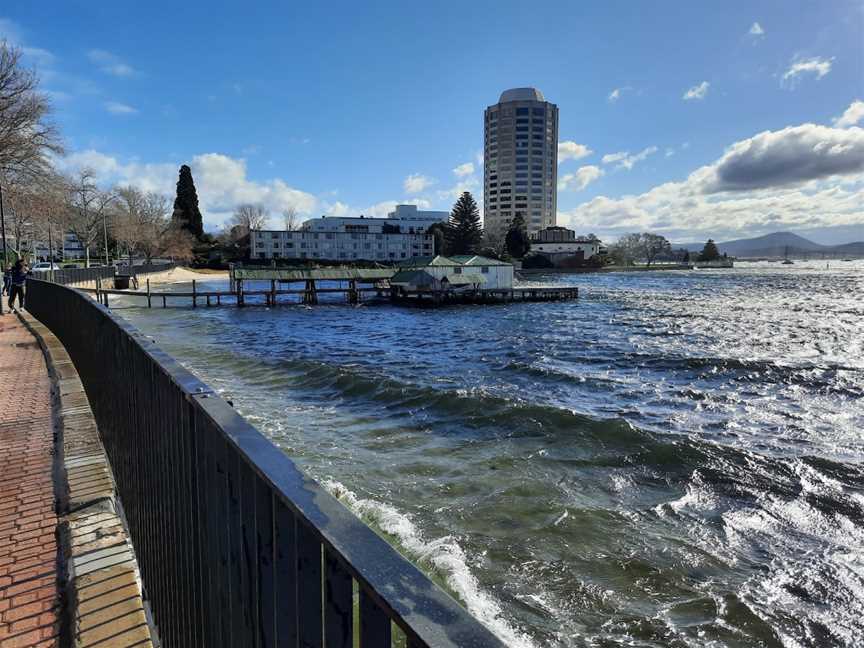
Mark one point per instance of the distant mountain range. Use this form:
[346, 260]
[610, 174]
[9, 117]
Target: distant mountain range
[779, 244]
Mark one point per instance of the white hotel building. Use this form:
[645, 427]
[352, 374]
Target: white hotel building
[402, 235]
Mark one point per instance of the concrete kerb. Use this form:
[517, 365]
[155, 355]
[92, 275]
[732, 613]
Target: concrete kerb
[102, 589]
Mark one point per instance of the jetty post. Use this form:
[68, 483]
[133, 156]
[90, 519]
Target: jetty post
[194, 295]
[149, 296]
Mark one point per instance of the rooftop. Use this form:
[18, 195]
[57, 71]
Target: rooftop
[521, 94]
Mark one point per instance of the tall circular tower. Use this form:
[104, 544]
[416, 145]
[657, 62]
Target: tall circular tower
[520, 161]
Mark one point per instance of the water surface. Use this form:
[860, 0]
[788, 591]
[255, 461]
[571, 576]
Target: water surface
[673, 460]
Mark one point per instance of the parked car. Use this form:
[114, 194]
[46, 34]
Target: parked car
[70, 265]
[44, 266]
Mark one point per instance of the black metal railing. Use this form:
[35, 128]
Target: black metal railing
[145, 268]
[76, 276]
[236, 546]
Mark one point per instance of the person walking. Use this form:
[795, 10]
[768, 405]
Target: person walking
[18, 279]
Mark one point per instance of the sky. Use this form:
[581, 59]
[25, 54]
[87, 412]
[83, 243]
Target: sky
[689, 119]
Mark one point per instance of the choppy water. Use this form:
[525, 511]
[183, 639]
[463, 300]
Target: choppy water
[673, 460]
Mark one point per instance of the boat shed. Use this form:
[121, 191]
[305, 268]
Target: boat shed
[469, 272]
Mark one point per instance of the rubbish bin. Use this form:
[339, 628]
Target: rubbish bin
[121, 282]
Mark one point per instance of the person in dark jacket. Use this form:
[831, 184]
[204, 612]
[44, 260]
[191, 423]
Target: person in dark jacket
[18, 279]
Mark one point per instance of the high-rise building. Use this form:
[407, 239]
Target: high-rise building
[520, 161]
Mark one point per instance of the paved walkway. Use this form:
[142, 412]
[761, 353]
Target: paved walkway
[29, 601]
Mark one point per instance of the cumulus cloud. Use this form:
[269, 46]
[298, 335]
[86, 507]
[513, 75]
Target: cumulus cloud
[570, 150]
[803, 177]
[580, 179]
[756, 30]
[789, 156]
[117, 108]
[417, 182]
[623, 159]
[853, 114]
[463, 170]
[221, 182]
[697, 92]
[811, 66]
[110, 63]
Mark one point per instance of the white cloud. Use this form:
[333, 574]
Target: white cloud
[623, 159]
[220, 180]
[570, 150]
[466, 184]
[463, 170]
[853, 114]
[110, 63]
[42, 57]
[815, 65]
[802, 177]
[117, 108]
[697, 92]
[756, 30]
[789, 156]
[378, 210]
[670, 152]
[580, 179]
[417, 182]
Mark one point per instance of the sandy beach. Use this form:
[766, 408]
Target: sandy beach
[184, 275]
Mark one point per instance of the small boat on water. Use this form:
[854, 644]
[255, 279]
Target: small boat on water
[786, 259]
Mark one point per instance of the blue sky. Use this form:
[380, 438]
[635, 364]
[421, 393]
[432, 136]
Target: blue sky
[346, 109]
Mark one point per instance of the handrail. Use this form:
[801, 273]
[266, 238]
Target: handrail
[237, 546]
[146, 268]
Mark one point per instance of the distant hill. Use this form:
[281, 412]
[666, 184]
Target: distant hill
[779, 244]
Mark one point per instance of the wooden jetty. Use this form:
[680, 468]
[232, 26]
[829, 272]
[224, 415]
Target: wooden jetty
[360, 282]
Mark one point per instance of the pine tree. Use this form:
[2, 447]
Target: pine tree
[186, 212]
[517, 240]
[710, 251]
[464, 233]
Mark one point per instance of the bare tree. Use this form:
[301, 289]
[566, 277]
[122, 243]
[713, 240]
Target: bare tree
[141, 223]
[177, 243]
[89, 207]
[292, 222]
[50, 218]
[20, 202]
[247, 218]
[26, 135]
[128, 227]
[630, 247]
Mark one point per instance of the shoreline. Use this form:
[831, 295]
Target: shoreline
[541, 271]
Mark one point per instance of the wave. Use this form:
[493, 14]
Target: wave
[443, 556]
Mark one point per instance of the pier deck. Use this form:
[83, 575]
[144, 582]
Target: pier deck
[354, 294]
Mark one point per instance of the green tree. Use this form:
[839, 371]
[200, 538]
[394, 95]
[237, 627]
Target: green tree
[517, 240]
[186, 212]
[645, 246]
[464, 233]
[653, 245]
[438, 232]
[710, 251]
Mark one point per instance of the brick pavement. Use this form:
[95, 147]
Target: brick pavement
[29, 593]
